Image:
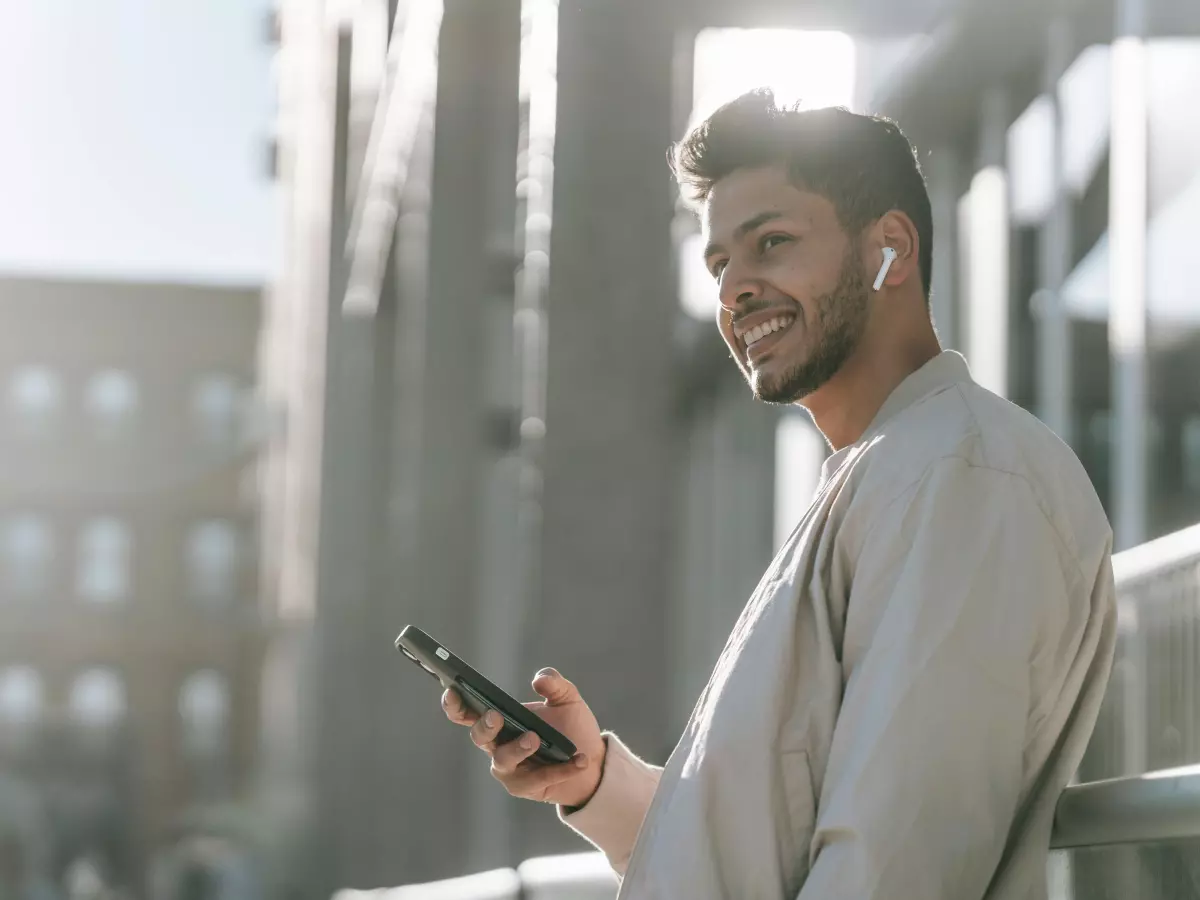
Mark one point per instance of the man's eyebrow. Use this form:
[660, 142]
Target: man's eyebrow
[744, 229]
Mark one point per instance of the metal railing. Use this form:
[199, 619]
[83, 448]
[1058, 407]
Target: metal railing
[1150, 808]
[1140, 796]
[571, 876]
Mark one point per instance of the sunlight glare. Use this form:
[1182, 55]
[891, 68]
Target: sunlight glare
[815, 68]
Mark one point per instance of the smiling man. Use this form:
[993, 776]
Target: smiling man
[916, 677]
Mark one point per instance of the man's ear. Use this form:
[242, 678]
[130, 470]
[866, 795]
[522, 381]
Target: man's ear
[896, 231]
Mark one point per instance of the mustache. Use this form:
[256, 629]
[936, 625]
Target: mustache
[751, 309]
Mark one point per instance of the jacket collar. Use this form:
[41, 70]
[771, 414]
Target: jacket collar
[947, 368]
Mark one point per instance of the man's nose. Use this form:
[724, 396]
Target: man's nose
[738, 288]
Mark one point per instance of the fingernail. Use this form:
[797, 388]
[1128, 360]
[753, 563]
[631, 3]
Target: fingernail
[528, 741]
[581, 762]
[489, 719]
[547, 673]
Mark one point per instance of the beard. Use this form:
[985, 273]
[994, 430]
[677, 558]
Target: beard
[841, 320]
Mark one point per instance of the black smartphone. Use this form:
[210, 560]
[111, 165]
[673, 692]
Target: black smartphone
[480, 695]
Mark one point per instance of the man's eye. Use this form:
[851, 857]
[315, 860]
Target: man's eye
[718, 268]
[772, 240]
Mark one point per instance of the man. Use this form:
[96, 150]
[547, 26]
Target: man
[916, 676]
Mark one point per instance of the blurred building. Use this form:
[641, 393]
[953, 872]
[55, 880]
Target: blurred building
[131, 650]
[510, 420]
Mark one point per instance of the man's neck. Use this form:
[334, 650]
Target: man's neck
[844, 407]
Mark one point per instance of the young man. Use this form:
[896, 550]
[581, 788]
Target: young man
[915, 678]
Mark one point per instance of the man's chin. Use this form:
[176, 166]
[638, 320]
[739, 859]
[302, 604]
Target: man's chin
[776, 392]
[781, 388]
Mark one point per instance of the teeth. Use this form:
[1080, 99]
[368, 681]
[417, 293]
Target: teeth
[756, 334]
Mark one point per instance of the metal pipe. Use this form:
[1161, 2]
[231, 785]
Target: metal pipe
[1155, 557]
[1159, 806]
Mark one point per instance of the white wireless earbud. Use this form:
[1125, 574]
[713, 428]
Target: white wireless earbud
[889, 255]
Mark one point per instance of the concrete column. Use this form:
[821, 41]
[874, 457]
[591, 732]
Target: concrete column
[988, 270]
[363, 740]
[1056, 239]
[724, 531]
[945, 178]
[336, 603]
[437, 519]
[609, 465]
[402, 476]
[498, 603]
[1127, 252]
[743, 505]
[693, 592]
[357, 668]
[1127, 221]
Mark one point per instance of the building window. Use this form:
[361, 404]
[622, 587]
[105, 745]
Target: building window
[212, 562]
[26, 555]
[105, 549]
[216, 408]
[1191, 454]
[111, 400]
[35, 400]
[20, 700]
[204, 712]
[98, 703]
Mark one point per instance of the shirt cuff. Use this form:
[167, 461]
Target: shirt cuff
[613, 816]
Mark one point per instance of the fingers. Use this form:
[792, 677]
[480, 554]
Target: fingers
[507, 757]
[532, 780]
[556, 689]
[457, 711]
[485, 731]
[512, 763]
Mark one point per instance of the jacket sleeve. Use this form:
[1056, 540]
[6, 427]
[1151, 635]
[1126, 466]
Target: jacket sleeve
[950, 589]
[612, 818]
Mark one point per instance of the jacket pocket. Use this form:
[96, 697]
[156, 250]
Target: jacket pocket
[802, 814]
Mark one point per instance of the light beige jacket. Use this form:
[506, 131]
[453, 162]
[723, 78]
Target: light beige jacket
[909, 688]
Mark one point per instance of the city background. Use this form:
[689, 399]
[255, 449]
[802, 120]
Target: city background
[323, 317]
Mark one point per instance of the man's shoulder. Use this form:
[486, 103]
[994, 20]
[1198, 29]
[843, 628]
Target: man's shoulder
[966, 422]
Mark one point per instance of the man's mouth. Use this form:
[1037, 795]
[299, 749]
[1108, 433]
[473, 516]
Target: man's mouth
[761, 337]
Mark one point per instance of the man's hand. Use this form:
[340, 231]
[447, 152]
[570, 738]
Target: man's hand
[570, 783]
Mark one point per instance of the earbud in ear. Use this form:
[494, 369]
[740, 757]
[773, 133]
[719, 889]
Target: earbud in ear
[889, 255]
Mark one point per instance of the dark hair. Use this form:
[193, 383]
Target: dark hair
[864, 165]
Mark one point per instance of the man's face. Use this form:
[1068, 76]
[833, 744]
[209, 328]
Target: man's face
[794, 301]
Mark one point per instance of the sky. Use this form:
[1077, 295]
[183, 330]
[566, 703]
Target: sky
[135, 140]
